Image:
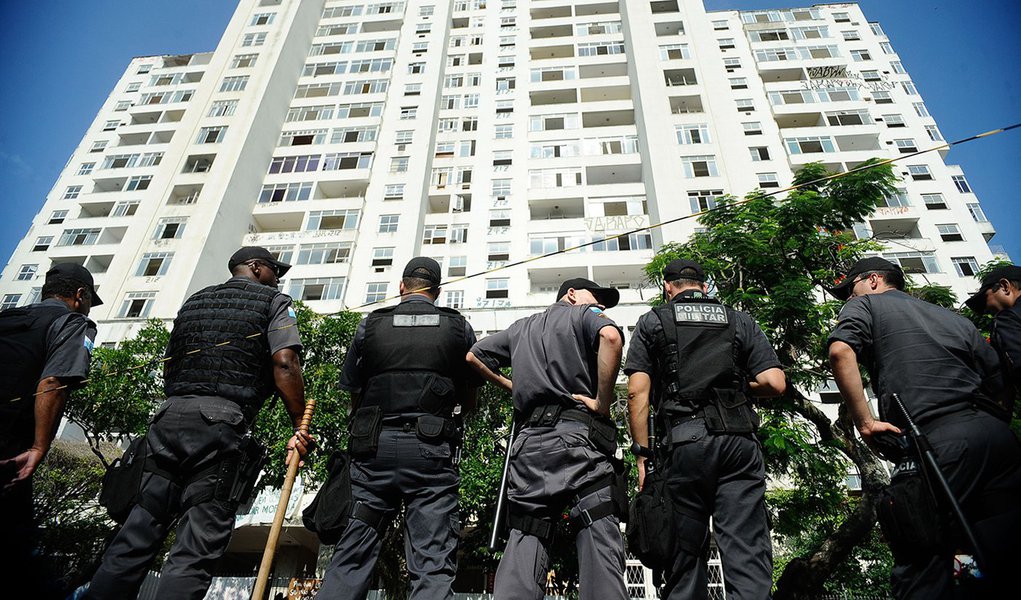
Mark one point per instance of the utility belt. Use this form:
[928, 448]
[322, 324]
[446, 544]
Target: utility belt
[368, 422]
[334, 505]
[236, 476]
[602, 431]
[724, 410]
[911, 519]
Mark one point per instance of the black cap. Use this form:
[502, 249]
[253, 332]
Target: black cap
[977, 302]
[248, 253]
[423, 267]
[608, 297]
[78, 273]
[842, 291]
[680, 268]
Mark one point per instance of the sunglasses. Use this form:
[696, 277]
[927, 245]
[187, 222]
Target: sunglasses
[276, 269]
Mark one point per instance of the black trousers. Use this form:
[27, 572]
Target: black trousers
[722, 476]
[981, 459]
[186, 436]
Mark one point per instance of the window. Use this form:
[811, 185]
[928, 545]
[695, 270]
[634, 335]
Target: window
[906, 146]
[950, 232]
[42, 243]
[458, 234]
[915, 262]
[703, 200]
[458, 266]
[909, 88]
[295, 164]
[324, 254]
[966, 266]
[752, 128]
[435, 234]
[262, 19]
[768, 180]
[894, 121]
[10, 301]
[111, 125]
[310, 113]
[759, 153]
[375, 292]
[243, 61]
[321, 220]
[382, 257]
[320, 288]
[973, 208]
[501, 187]
[234, 84]
[169, 228]
[154, 264]
[881, 97]
[871, 75]
[143, 69]
[919, 172]
[934, 201]
[920, 109]
[498, 252]
[408, 112]
[499, 218]
[57, 217]
[223, 108]
[738, 83]
[497, 288]
[745, 105]
[841, 17]
[72, 192]
[850, 36]
[898, 198]
[125, 209]
[934, 133]
[860, 55]
[503, 132]
[693, 134]
[253, 39]
[285, 192]
[211, 135]
[393, 191]
[138, 182]
[388, 223]
[673, 52]
[960, 182]
[399, 164]
[86, 168]
[726, 43]
[98, 146]
[26, 273]
[134, 86]
[136, 305]
[454, 299]
[699, 166]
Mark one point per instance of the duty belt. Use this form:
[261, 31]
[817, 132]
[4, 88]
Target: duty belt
[550, 414]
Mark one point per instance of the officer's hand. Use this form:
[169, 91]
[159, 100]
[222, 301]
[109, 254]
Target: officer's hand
[303, 443]
[591, 403]
[641, 472]
[20, 468]
[871, 428]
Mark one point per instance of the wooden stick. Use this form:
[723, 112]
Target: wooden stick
[259, 592]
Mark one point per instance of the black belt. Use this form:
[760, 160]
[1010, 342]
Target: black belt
[550, 414]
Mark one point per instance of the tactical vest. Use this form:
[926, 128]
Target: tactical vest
[413, 353]
[694, 354]
[23, 333]
[240, 371]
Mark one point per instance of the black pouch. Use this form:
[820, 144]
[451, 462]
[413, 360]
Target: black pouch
[728, 412]
[602, 432]
[365, 428]
[239, 475]
[910, 518]
[330, 510]
[123, 480]
[652, 525]
[433, 429]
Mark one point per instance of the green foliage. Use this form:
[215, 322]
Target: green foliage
[125, 387]
[939, 295]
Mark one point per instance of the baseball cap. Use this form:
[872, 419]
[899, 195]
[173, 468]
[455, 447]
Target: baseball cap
[680, 268]
[608, 297]
[78, 273]
[842, 290]
[248, 253]
[423, 267]
[977, 301]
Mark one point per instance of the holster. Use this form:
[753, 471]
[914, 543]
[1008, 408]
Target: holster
[330, 510]
[910, 518]
[434, 429]
[239, 474]
[123, 480]
[366, 425]
[728, 411]
[657, 531]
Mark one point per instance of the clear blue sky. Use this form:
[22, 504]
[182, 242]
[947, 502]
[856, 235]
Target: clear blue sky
[60, 59]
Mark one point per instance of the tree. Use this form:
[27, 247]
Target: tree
[773, 259]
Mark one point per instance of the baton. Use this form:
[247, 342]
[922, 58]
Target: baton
[498, 516]
[929, 459]
[259, 592]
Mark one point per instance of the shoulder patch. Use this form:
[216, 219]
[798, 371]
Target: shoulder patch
[291, 313]
[88, 344]
[598, 311]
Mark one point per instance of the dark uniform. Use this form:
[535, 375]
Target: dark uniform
[407, 373]
[555, 462]
[690, 347]
[1005, 334]
[941, 367]
[196, 437]
[36, 342]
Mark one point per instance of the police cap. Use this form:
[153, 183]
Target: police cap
[977, 302]
[423, 267]
[77, 273]
[842, 291]
[608, 297]
[248, 253]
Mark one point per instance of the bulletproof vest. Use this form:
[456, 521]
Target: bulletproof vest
[241, 370]
[23, 333]
[413, 354]
[694, 354]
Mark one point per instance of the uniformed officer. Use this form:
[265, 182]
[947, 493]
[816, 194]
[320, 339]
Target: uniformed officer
[941, 368]
[565, 361]
[407, 375]
[44, 353]
[698, 361]
[999, 295]
[198, 436]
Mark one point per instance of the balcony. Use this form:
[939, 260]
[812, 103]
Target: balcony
[551, 52]
[987, 230]
[553, 211]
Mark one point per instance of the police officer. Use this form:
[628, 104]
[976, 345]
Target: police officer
[941, 368]
[198, 437]
[565, 361]
[407, 376]
[44, 353]
[999, 295]
[698, 361]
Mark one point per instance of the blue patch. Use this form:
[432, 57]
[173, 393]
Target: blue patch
[596, 310]
[89, 345]
[291, 313]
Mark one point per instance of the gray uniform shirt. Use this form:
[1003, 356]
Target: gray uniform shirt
[69, 342]
[935, 359]
[552, 353]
